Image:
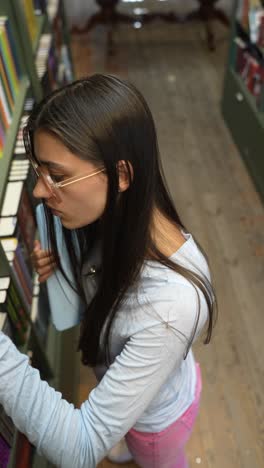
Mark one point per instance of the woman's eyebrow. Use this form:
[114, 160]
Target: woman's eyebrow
[53, 165]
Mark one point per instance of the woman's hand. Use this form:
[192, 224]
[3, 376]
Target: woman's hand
[43, 262]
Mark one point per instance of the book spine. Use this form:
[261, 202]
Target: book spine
[13, 48]
[10, 58]
[12, 291]
[5, 72]
[21, 283]
[5, 452]
[7, 428]
[2, 139]
[4, 110]
[6, 326]
[31, 19]
[8, 61]
[27, 225]
[19, 332]
[24, 268]
[17, 283]
[6, 85]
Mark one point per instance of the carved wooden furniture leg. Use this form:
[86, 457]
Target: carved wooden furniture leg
[109, 16]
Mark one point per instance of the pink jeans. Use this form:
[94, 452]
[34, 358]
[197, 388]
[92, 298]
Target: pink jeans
[165, 449]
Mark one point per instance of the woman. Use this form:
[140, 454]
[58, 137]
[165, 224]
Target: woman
[143, 279]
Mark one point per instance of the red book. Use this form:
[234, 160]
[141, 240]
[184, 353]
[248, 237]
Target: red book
[22, 282]
[260, 42]
[253, 76]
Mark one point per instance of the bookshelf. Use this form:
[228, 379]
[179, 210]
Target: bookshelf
[54, 355]
[243, 93]
[10, 140]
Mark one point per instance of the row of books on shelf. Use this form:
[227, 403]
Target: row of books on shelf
[52, 64]
[9, 303]
[7, 429]
[17, 233]
[250, 69]
[53, 61]
[10, 73]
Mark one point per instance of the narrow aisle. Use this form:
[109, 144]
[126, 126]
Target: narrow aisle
[217, 201]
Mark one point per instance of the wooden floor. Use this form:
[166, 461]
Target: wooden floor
[217, 201]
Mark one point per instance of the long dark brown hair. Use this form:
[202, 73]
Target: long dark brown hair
[104, 119]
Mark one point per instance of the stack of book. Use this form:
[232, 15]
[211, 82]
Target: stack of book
[12, 304]
[17, 234]
[9, 77]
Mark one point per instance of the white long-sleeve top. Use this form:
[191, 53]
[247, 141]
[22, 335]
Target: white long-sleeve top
[147, 386]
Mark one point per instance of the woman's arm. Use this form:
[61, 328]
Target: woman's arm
[81, 437]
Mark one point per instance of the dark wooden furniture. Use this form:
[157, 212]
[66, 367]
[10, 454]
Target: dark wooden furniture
[110, 16]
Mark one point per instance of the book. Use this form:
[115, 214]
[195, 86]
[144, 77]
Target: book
[5, 113]
[241, 48]
[65, 305]
[13, 47]
[7, 428]
[30, 18]
[5, 85]
[26, 226]
[40, 311]
[18, 324]
[5, 325]
[12, 198]
[4, 282]
[22, 278]
[8, 226]
[4, 452]
[8, 60]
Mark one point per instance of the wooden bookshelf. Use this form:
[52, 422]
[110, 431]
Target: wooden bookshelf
[10, 141]
[57, 360]
[243, 117]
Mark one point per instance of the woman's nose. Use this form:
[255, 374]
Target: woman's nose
[41, 190]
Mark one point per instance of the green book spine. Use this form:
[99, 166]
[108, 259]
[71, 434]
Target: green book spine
[18, 305]
[20, 336]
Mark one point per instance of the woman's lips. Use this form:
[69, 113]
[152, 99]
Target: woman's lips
[55, 212]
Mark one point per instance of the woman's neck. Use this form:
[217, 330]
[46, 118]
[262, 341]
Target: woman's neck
[166, 235]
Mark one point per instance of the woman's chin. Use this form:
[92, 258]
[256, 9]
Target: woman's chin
[73, 223]
[68, 223]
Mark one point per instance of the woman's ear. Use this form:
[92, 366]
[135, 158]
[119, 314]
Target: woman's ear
[125, 175]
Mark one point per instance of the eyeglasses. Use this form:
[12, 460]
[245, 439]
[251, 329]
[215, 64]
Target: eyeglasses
[54, 187]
